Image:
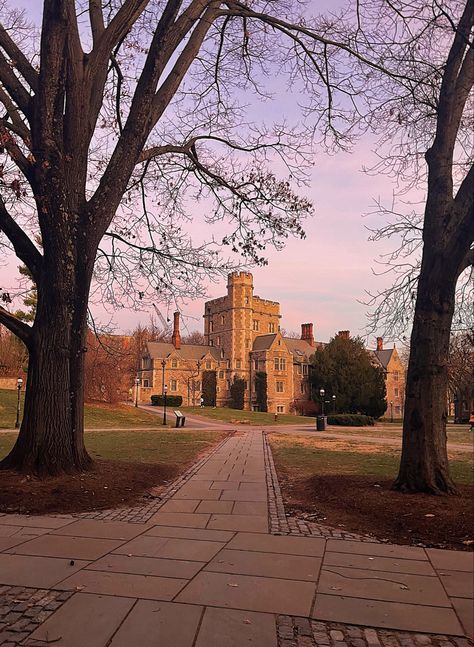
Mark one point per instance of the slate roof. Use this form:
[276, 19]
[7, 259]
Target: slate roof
[300, 349]
[383, 356]
[160, 350]
[263, 342]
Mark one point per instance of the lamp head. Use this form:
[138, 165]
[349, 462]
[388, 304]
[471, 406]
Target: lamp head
[322, 392]
[19, 382]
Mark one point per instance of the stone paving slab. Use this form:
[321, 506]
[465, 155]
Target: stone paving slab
[245, 522]
[201, 494]
[248, 592]
[413, 566]
[290, 567]
[278, 544]
[69, 547]
[393, 615]
[225, 485]
[243, 495]
[199, 534]
[171, 548]
[458, 584]
[220, 507]
[123, 584]
[158, 624]
[252, 507]
[36, 522]
[156, 566]
[381, 550]
[180, 505]
[451, 560]
[465, 611]
[83, 620]
[10, 542]
[231, 628]
[100, 529]
[38, 572]
[187, 520]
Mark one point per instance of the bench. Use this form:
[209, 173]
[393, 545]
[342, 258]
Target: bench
[180, 419]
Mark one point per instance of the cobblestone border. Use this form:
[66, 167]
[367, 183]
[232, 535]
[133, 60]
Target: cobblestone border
[141, 513]
[301, 632]
[282, 524]
[23, 609]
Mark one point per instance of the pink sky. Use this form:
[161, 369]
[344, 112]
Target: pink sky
[317, 280]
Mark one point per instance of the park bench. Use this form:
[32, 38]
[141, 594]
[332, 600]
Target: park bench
[180, 419]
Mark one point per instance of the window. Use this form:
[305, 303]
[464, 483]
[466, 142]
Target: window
[146, 383]
[280, 364]
[280, 387]
[246, 301]
[217, 389]
[256, 324]
[305, 369]
[218, 341]
[395, 392]
[221, 375]
[211, 342]
[245, 385]
[222, 353]
[280, 408]
[222, 320]
[196, 385]
[238, 363]
[255, 364]
[174, 363]
[271, 327]
[173, 385]
[211, 326]
[395, 376]
[298, 369]
[208, 365]
[302, 388]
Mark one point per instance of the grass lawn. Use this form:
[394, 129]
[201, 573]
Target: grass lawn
[97, 416]
[257, 418]
[347, 483]
[127, 464]
[458, 434]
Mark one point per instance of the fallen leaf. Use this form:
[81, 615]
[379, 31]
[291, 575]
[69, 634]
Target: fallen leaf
[429, 515]
[231, 584]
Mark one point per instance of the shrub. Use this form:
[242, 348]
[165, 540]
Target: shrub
[209, 388]
[261, 390]
[171, 400]
[237, 392]
[350, 420]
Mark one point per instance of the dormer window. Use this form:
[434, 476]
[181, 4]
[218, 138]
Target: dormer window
[174, 363]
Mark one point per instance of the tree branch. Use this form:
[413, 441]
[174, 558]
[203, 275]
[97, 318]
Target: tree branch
[14, 87]
[17, 327]
[96, 19]
[467, 261]
[24, 248]
[19, 60]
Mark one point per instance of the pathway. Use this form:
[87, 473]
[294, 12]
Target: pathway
[204, 570]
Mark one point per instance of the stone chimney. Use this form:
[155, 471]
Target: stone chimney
[379, 343]
[176, 337]
[307, 333]
[344, 334]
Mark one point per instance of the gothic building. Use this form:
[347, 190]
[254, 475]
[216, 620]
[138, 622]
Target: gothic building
[243, 340]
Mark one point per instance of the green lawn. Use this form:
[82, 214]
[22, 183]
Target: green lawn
[252, 417]
[97, 416]
[307, 456]
[456, 433]
[171, 447]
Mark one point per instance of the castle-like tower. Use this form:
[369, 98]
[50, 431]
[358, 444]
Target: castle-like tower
[232, 322]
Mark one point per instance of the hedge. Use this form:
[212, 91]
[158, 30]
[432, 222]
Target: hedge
[350, 420]
[171, 400]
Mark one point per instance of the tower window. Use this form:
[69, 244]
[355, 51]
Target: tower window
[256, 324]
[271, 327]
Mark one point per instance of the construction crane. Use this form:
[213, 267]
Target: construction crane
[164, 322]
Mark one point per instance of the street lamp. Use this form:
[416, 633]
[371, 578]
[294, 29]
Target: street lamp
[137, 384]
[333, 404]
[165, 391]
[322, 393]
[19, 382]
[391, 411]
[163, 366]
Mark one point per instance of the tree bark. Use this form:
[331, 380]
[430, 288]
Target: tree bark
[51, 439]
[424, 460]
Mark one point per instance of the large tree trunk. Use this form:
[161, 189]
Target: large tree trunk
[51, 438]
[424, 461]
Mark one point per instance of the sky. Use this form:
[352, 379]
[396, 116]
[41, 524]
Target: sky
[321, 279]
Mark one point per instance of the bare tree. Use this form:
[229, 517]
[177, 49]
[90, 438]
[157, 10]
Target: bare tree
[117, 119]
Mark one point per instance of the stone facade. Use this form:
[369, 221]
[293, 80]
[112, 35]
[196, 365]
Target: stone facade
[242, 333]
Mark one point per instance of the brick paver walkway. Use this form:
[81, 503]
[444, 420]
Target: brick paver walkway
[214, 565]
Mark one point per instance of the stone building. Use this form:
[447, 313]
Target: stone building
[243, 340]
[394, 371]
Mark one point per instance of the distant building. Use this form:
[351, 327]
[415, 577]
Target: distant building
[389, 360]
[243, 338]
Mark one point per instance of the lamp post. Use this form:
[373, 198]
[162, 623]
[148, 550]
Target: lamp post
[163, 366]
[137, 384]
[333, 403]
[322, 393]
[165, 391]
[391, 411]
[19, 382]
